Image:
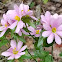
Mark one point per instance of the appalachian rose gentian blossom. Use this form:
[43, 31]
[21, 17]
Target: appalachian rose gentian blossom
[5, 25]
[35, 32]
[16, 15]
[15, 51]
[53, 31]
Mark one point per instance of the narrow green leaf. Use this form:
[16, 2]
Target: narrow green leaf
[45, 1]
[21, 38]
[48, 58]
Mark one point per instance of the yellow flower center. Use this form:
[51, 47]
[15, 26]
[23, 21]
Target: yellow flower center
[5, 25]
[17, 18]
[28, 10]
[53, 29]
[14, 51]
[21, 10]
[37, 31]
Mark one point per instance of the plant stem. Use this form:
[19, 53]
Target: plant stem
[31, 55]
[52, 53]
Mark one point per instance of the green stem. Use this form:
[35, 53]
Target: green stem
[52, 53]
[31, 55]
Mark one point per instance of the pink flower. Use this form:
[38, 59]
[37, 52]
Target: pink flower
[15, 51]
[16, 18]
[35, 32]
[22, 31]
[16, 15]
[5, 24]
[53, 31]
[24, 10]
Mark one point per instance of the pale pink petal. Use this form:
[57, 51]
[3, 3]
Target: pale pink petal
[30, 13]
[11, 14]
[43, 19]
[23, 48]
[2, 33]
[59, 28]
[46, 26]
[26, 8]
[13, 44]
[6, 53]
[34, 18]
[37, 35]
[46, 33]
[59, 33]
[11, 57]
[48, 16]
[26, 33]
[10, 49]
[19, 45]
[19, 26]
[55, 15]
[19, 55]
[57, 39]
[31, 29]
[13, 25]
[16, 8]
[50, 38]
[32, 33]
[2, 28]
[3, 22]
[20, 33]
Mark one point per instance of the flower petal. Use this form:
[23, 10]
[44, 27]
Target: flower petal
[13, 25]
[19, 26]
[11, 14]
[59, 33]
[23, 48]
[37, 35]
[46, 33]
[19, 55]
[2, 28]
[11, 57]
[6, 53]
[31, 29]
[20, 33]
[19, 45]
[59, 28]
[34, 18]
[13, 44]
[26, 33]
[2, 33]
[57, 39]
[46, 26]
[50, 38]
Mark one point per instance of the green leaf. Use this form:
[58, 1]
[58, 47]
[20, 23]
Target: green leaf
[3, 41]
[21, 38]
[60, 54]
[45, 1]
[48, 58]
[32, 4]
[25, 57]
[40, 41]
[27, 19]
[45, 44]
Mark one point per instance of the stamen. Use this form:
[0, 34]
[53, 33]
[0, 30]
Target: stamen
[37, 31]
[17, 18]
[5, 25]
[14, 51]
[53, 29]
